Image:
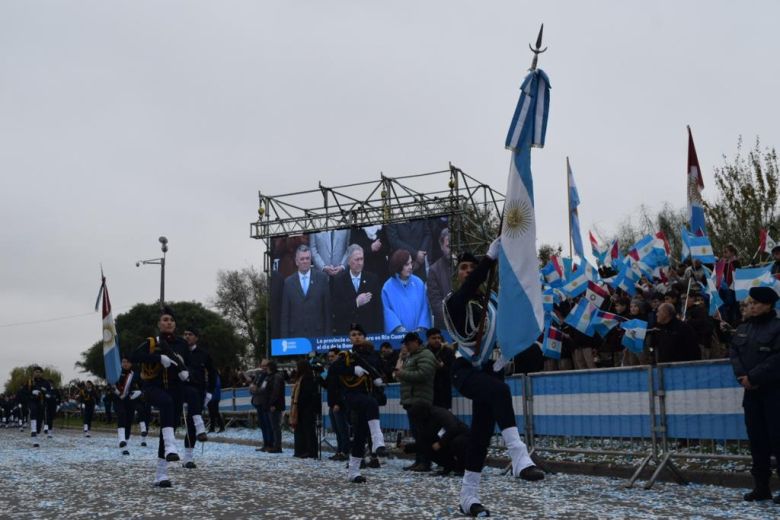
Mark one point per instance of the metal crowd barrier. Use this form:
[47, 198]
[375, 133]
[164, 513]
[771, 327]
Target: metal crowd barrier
[650, 413]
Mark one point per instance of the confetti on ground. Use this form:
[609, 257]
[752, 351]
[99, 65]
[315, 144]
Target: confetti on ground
[73, 477]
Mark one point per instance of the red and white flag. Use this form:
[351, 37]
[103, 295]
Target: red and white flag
[765, 242]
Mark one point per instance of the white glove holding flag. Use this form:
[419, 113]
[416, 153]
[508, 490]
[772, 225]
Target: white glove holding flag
[379, 382]
[135, 394]
[36, 392]
[166, 361]
[492, 251]
[184, 375]
[207, 399]
[360, 371]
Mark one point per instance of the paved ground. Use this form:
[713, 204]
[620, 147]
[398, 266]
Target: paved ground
[74, 477]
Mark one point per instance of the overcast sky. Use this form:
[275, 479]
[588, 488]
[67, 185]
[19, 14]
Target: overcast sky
[124, 121]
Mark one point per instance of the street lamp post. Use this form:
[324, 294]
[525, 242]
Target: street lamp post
[161, 262]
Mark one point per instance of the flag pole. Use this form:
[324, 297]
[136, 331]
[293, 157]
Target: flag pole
[568, 206]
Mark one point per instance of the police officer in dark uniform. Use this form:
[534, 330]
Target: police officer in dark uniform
[199, 389]
[358, 374]
[35, 390]
[163, 372]
[755, 357]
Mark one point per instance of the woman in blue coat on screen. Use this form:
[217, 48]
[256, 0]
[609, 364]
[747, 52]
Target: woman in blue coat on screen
[403, 297]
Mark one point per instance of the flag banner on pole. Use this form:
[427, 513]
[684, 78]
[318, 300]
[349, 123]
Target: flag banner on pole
[697, 247]
[111, 356]
[695, 187]
[596, 294]
[765, 242]
[712, 291]
[553, 342]
[634, 338]
[578, 282]
[580, 317]
[521, 316]
[613, 258]
[574, 218]
[599, 251]
[603, 321]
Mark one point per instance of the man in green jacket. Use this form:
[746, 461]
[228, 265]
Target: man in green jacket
[416, 370]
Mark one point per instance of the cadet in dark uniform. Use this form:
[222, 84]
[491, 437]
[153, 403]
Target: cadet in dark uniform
[53, 400]
[476, 378]
[162, 373]
[199, 390]
[88, 396]
[358, 373]
[126, 392]
[36, 389]
[755, 356]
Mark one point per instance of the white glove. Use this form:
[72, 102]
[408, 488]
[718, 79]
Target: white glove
[207, 399]
[184, 375]
[48, 396]
[116, 391]
[492, 251]
[360, 371]
[379, 382]
[166, 361]
[135, 394]
[36, 392]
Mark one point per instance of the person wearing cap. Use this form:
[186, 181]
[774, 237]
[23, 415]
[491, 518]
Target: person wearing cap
[416, 371]
[198, 391]
[755, 358]
[358, 373]
[163, 372]
[476, 377]
[36, 389]
[126, 391]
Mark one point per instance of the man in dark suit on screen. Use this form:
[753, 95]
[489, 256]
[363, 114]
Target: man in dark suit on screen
[305, 300]
[357, 296]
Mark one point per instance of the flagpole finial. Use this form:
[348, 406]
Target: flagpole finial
[538, 50]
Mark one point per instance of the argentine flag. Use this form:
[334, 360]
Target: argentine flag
[697, 247]
[521, 315]
[634, 338]
[578, 282]
[581, 317]
[712, 291]
[574, 217]
[746, 278]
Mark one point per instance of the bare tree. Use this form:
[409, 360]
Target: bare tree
[242, 300]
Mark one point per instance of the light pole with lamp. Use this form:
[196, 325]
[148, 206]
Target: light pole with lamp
[161, 263]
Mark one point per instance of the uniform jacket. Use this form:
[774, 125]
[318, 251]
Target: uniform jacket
[201, 369]
[148, 353]
[755, 350]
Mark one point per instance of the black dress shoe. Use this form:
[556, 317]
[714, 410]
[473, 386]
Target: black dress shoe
[421, 468]
[163, 484]
[202, 437]
[221, 430]
[360, 479]
[374, 463]
[409, 467]
[776, 500]
[189, 465]
[381, 452]
[125, 452]
[143, 444]
[477, 511]
[760, 493]
[531, 473]
[172, 457]
[122, 444]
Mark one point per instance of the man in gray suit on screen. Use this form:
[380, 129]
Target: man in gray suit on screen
[305, 300]
[329, 251]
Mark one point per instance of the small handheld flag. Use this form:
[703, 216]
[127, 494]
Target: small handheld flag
[634, 338]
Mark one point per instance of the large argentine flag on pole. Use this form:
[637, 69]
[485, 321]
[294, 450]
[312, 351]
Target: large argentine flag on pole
[110, 340]
[695, 186]
[520, 312]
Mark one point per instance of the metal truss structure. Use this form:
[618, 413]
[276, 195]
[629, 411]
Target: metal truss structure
[472, 207]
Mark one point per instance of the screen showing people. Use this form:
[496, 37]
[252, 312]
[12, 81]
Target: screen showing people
[391, 279]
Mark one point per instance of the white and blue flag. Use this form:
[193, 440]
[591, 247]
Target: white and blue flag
[521, 316]
[111, 358]
[697, 247]
[634, 338]
[581, 317]
[716, 302]
[749, 277]
[578, 281]
[574, 217]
